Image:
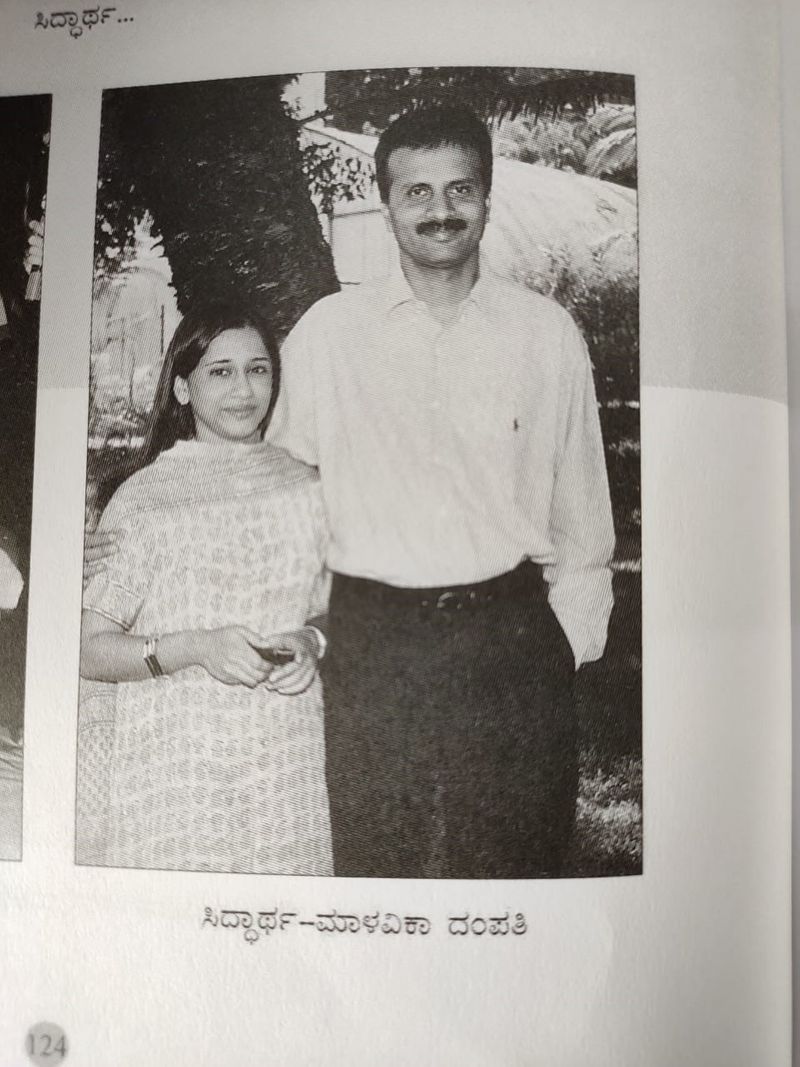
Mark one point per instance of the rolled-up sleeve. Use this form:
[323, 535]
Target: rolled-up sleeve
[581, 521]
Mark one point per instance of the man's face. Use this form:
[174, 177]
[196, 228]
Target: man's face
[437, 206]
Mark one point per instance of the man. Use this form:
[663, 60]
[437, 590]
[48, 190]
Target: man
[453, 420]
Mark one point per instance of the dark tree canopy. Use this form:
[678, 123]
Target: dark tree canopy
[218, 167]
[374, 97]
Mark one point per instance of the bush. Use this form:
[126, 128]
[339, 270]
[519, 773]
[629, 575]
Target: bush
[602, 295]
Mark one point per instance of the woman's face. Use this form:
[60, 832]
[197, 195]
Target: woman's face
[230, 388]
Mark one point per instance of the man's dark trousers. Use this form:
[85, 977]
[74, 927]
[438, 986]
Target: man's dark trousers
[450, 730]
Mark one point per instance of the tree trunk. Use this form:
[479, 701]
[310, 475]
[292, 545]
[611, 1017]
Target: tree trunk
[218, 166]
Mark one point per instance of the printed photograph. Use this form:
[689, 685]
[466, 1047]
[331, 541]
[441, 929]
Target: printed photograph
[24, 140]
[362, 566]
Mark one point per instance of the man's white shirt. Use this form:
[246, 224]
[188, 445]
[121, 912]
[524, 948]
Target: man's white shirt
[449, 453]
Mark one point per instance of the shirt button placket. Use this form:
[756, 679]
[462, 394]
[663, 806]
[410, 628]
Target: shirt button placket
[437, 400]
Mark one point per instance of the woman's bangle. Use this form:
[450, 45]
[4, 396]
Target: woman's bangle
[322, 641]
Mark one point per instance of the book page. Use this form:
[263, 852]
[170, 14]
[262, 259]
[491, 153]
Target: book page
[790, 29]
[410, 891]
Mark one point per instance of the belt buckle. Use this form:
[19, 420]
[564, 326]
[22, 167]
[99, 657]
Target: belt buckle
[448, 601]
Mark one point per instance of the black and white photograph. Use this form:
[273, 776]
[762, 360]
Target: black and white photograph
[362, 562]
[24, 141]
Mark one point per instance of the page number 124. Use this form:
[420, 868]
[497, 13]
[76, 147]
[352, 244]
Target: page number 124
[46, 1043]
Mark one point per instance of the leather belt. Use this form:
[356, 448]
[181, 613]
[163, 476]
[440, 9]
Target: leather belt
[524, 582]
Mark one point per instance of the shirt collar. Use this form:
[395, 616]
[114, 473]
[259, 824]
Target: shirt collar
[397, 291]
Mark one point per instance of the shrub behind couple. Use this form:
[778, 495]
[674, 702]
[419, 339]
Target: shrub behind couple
[452, 419]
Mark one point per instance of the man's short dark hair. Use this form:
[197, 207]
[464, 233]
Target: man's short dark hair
[432, 126]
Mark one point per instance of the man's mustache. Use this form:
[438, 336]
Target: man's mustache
[439, 225]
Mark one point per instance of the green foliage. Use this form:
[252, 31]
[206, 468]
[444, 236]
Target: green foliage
[605, 304]
[218, 166]
[600, 143]
[333, 177]
[612, 155]
[550, 140]
[374, 97]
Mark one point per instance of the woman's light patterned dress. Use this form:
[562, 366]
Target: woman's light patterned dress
[203, 775]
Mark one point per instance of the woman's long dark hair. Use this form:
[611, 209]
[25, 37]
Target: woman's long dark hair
[171, 421]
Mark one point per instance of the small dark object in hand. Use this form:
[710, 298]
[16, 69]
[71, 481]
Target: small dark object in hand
[276, 656]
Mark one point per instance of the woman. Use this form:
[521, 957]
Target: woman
[217, 756]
